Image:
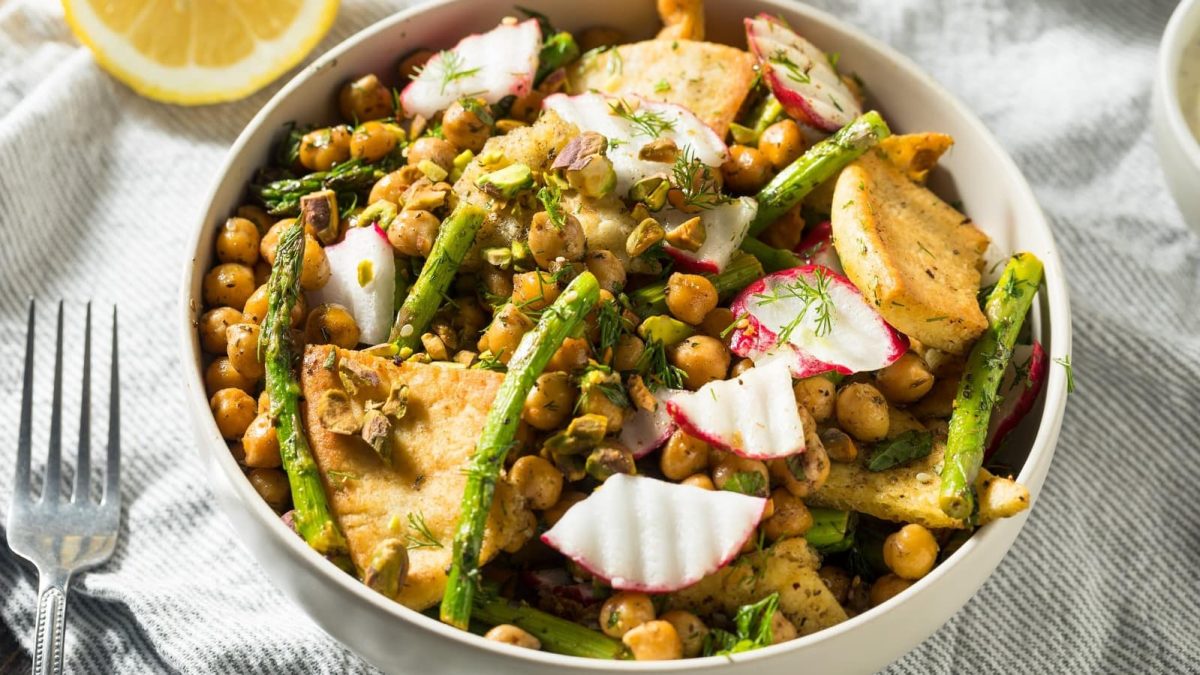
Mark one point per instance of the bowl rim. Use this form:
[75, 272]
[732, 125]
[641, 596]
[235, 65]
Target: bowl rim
[1054, 295]
[1168, 65]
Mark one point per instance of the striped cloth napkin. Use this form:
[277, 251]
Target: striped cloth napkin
[99, 188]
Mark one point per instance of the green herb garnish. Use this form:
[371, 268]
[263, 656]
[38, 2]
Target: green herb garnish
[698, 181]
[420, 535]
[814, 296]
[753, 626]
[646, 122]
[451, 69]
[910, 445]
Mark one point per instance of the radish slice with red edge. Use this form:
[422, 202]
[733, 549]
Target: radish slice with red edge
[362, 278]
[753, 415]
[816, 248]
[501, 62]
[1019, 389]
[645, 534]
[725, 226]
[800, 75]
[645, 431]
[816, 321]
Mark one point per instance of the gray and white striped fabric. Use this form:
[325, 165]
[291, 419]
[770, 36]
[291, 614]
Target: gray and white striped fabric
[98, 189]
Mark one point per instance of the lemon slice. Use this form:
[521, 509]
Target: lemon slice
[194, 52]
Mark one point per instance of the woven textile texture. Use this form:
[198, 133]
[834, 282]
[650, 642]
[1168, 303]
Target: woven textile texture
[99, 189]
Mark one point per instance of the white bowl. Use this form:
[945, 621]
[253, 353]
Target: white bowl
[397, 639]
[1178, 149]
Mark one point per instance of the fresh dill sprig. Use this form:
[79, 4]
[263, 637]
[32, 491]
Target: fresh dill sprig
[646, 122]
[551, 198]
[794, 73]
[472, 104]
[419, 535]
[451, 69]
[698, 181]
[653, 363]
[814, 296]
[608, 317]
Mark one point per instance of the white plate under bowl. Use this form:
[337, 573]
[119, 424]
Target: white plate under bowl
[977, 171]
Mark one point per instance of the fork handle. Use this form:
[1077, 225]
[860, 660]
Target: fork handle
[51, 623]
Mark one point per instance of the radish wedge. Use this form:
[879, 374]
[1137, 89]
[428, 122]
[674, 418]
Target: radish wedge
[753, 415]
[1019, 389]
[783, 324]
[644, 534]
[634, 129]
[362, 278]
[501, 62]
[801, 76]
[725, 227]
[816, 248]
[644, 431]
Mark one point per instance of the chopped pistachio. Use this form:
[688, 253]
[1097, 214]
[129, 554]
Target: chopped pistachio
[640, 394]
[366, 272]
[432, 171]
[596, 178]
[381, 212]
[688, 235]
[743, 135]
[499, 257]
[377, 432]
[385, 351]
[639, 212]
[583, 433]
[434, 347]
[659, 150]
[506, 183]
[651, 191]
[609, 459]
[579, 150]
[356, 377]
[337, 414]
[396, 405]
[664, 329]
[646, 234]
[387, 568]
[460, 164]
[320, 211]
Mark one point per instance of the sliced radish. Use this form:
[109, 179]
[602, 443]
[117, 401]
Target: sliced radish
[800, 75]
[816, 248]
[753, 415]
[1019, 389]
[854, 339]
[725, 227]
[362, 278]
[627, 136]
[644, 534]
[644, 431]
[491, 66]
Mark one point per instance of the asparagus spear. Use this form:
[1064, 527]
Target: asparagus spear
[816, 166]
[282, 197]
[425, 295]
[772, 259]
[832, 530]
[556, 634]
[528, 361]
[768, 111]
[743, 269]
[312, 518]
[1006, 307]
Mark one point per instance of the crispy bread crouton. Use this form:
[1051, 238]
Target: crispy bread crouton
[372, 501]
[709, 79]
[789, 568]
[913, 255]
[914, 154]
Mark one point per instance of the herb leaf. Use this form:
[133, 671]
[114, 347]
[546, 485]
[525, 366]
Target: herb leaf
[653, 364]
[748, 483]
[910, 445]
[1065, 362]
[753, 626]
[698, 181]
[815, 296]
[646, 122]
[551, 198]
[420, 536]
[450, 69]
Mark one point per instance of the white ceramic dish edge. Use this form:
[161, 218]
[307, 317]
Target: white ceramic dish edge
[1178, 148]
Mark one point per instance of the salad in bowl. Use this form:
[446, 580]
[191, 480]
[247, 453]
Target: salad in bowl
[640, 350]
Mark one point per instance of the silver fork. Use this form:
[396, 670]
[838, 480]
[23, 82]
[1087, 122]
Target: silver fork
[61, 536]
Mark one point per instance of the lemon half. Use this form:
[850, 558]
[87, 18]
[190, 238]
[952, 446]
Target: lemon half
[193, 52]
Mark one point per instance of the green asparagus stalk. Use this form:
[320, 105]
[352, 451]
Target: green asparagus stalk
[282, 197]
[1006, 307]
[312, 517]
[528, 361]
[739, 273]
[832, 530]
[557, 51]
[772, 259]
[425, 295]
[556, 634]
[820, 163]
[766, 113]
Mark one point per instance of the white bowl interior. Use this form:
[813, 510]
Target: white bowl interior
[1178, 147]
[976, 171]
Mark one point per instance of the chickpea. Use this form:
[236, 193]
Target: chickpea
[255, 309]
[690, 628]
[272, 486]
[787, 231]
[393, 185]
[683, 455]
[508, 326]
[781, 143]
[818, 394]
[233, 409]
[412, 62]
[910, 552]
[262, 272]
[549, 242]
[264, 402]
[372, 141]
[906, 380]
[257, 215]
[939, 402]
[237, 452]
[221, 374]
[462, 125]
[322, 148]
[365, 99]
[837, 580]
[228, 285]
[512, 635]
[716, 322]
[570, 357]
[839, 446]
[496, 282]
[243, 349]
[437, 150]
[237, 242]
[537, 480]
[260, 443]
[746, 170]
[791, 517]
[625, 611]
[315, 272]
[886, 587]
[741, 367]
[654, 641]
[608, 270]
[331, 324]
[626, 353]
[699, 480]
[212, 328]
[862, 412]
[729, 465]
[565, 502]
[413, 232]
[690, 297]
[701, 358]
[534, 290]
[550, 402]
